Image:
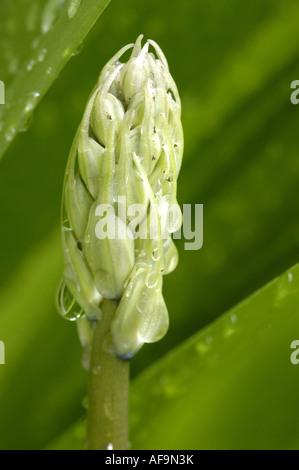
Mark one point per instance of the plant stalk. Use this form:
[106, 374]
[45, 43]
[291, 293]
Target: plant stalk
[108, 389]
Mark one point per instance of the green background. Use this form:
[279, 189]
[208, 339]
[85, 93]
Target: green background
[233, 63]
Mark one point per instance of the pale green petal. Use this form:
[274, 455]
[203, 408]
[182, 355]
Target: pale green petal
[107, 108]
[90, 158]
[78, 276]
[141, 315]
[78, 202]
[111, 259]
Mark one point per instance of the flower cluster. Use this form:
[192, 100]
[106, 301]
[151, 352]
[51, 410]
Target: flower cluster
[128, 147]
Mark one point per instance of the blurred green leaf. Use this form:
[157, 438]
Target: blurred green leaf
[42, 373]
[230, 386]
[37, 39]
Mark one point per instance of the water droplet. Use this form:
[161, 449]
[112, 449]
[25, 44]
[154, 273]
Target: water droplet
[151, 280]
[31, 101]
[66, 225]
[49, 15]
[129, 289]
[66, 52]
[67, 305]
[140, 254]
[142, 303]
[78, 50]
[10, 133]
[41, 55]
[156, 254]
[73, 8]
[25, 123]
[30, 65]
[285, 288]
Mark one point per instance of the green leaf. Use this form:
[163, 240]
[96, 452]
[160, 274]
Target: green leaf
[42, 372]
[37, 39]
[230, 386]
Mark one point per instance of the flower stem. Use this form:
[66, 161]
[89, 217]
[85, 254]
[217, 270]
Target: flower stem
[108, 390]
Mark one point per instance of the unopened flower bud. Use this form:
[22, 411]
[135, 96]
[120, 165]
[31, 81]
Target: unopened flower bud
[127, 153]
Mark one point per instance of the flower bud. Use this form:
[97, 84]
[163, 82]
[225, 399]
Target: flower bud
[127, 154]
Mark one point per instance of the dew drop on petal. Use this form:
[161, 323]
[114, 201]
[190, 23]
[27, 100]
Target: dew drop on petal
[67, 305]
[142, 303]
[151, 280]
[129, 289]
[156, 254]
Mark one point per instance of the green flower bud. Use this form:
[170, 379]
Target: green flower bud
[141, 316]
[127, 152]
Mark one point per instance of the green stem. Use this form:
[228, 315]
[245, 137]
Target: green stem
[108, 390]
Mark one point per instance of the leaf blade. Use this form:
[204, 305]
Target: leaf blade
[57, 43]
[219, 389]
